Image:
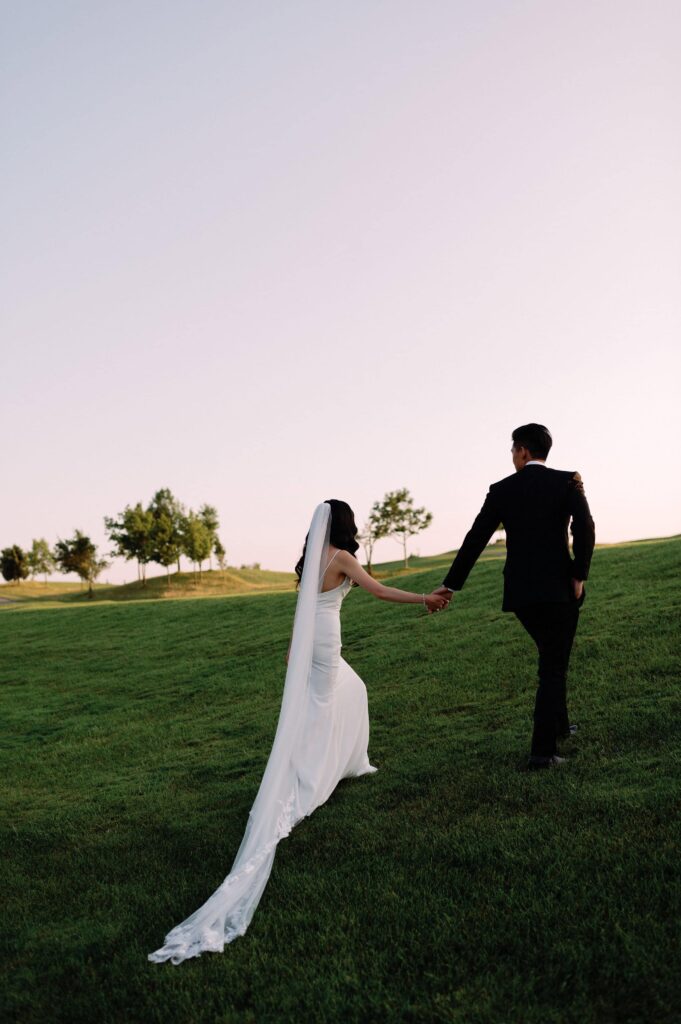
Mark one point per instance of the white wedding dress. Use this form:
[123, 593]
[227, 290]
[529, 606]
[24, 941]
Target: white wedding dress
[336, 734]
[321, 738]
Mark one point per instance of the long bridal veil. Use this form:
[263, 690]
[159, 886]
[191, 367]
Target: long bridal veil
[277, 808]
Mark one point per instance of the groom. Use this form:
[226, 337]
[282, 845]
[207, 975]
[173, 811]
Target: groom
[543, 584]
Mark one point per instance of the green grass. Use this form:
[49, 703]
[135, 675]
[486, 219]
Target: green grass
[450, 886]
[421, 563]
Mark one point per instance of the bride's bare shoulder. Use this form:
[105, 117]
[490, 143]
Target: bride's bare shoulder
[349, 564]
[345, 557]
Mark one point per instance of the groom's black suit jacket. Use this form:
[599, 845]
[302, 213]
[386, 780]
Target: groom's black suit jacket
[535, 506]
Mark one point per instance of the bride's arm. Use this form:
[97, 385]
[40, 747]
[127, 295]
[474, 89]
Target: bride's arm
[348, 564]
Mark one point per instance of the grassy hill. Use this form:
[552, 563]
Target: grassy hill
[181, 585]
[216, 583]
[213, 583]
[450, 886]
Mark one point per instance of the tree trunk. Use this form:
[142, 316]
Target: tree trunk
[89, 593]
[406, 557]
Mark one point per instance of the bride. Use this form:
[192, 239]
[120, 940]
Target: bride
[322, 733]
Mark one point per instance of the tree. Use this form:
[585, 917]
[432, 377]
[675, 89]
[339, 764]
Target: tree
[166, 530]
[367, 538]
[197, 540]
[220, 553]
[14, 564]
[396, 517]
[40, 560]
[131, 535]
[79, 555]
[209, 517]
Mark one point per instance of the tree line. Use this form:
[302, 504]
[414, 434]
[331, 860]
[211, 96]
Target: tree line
[161, 532]
[164, 530]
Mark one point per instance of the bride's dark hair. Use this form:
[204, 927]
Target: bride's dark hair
[343, 531]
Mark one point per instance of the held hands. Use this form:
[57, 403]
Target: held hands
[434, 602]
[444, 595]
[438, 600]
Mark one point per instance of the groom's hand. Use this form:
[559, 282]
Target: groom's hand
[578, 588]
[445, 593]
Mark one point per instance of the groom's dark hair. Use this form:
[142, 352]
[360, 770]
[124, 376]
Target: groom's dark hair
[535, 437]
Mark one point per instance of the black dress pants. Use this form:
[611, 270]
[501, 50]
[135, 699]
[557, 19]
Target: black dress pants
[553, 628]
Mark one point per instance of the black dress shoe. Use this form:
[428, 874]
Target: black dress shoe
[535, 763]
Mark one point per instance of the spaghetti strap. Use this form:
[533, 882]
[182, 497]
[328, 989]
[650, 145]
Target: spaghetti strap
[330, 561]
[324, 572]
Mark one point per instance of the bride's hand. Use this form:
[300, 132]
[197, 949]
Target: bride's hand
[434, 603]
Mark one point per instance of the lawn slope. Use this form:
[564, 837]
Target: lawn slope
[450, 886]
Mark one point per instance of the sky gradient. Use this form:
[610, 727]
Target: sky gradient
[265, 254]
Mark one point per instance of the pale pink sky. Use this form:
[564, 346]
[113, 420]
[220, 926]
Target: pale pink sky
[265, 254]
